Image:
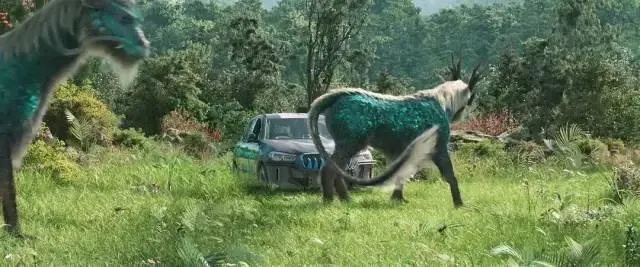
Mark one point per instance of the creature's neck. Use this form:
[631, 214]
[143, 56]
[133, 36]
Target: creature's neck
[448, 104]
[49, 65]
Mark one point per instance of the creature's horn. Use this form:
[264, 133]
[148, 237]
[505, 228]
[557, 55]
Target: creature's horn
[455, 70]
[475, 77]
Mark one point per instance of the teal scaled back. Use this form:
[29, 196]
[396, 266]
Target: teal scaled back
[355, 117]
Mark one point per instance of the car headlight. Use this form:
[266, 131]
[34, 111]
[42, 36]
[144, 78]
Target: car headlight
[280, 156]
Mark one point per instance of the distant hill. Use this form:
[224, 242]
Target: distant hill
[427, 6]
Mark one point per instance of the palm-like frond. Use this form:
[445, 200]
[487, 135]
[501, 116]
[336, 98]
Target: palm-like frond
[191, 255]
[576, 254]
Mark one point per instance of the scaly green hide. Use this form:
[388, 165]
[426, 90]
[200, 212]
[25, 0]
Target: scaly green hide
[393, 123]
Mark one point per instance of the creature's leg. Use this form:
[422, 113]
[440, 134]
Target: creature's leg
[342, 159]
[398, 191]
[443, 162]
[326, 182]
[7, 187]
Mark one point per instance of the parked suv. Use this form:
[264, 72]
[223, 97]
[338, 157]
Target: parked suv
[277, 149]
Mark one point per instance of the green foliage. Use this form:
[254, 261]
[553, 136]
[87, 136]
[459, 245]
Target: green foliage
[171, 81]
[253, 65]
[625, 182]
[52, 160]
[199, 145]
[528, 152]
[632, 246]
[92, 120]
[590, 146]
[130, 137]
[578, 74]
[614, 144]
[165, 208]
[482, 149]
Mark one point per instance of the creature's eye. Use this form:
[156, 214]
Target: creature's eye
[124, 19]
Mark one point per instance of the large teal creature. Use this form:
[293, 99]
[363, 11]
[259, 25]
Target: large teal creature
[409, 129]
[43, 51]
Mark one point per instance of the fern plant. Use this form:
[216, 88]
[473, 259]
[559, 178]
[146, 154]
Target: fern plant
[566, 141]
[575, 254]
[81, 130]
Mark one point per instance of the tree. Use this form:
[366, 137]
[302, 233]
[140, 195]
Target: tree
[254, 65]
[330, 25]
[168, 82]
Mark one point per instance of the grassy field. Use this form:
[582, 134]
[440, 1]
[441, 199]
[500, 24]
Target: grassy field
[160, 207]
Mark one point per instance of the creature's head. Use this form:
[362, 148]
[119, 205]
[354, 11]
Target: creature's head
[112, 29]
[456, 94]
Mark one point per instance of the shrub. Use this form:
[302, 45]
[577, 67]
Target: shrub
[482, 149]
[625, 182]
[528, 152]
[51, 159]
[86, 108]
[198, 145]
[129, 138]
[632, 246]
[593, 149]
[182, 121]
[492, 124]
[614, 145]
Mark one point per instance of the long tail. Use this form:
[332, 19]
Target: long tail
[414, 157]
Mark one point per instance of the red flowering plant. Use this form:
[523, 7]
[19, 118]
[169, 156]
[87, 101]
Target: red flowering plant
[182, 121]
[491, 124]
[12, 12]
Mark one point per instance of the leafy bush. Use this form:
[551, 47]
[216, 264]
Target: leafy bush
[482, 149]
[51, 159]
[492, 124]
[632, 246]
[625, 182]
[182, 121]
[199, 146]
[588, 146]
[170, 81]
[594, 150]
[95, 117]
[129, 138]
[528, 152]
[614, 145]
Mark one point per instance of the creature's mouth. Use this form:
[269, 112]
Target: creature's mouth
[117, 45]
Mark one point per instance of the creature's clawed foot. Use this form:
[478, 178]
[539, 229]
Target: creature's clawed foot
[16, 232]
[398, 197]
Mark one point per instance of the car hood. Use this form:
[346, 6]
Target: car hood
[298, 145]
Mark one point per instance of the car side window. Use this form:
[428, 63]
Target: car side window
[248, 130]
[258, 127]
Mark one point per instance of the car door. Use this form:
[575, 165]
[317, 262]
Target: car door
[240, 149]
[253, 145]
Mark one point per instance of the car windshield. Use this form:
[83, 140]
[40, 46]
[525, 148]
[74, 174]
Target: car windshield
[294, 128]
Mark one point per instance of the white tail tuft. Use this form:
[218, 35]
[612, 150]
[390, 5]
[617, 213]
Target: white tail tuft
[422, 149]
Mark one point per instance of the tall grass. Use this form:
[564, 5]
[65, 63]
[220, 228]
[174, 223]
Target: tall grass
[159, 207]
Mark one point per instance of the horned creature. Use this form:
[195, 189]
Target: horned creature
[45, 50]
[409, 129]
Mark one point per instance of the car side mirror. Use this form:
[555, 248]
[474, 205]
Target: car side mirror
[252, 138]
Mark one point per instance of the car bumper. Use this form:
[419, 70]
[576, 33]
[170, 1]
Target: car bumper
[292, 177]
